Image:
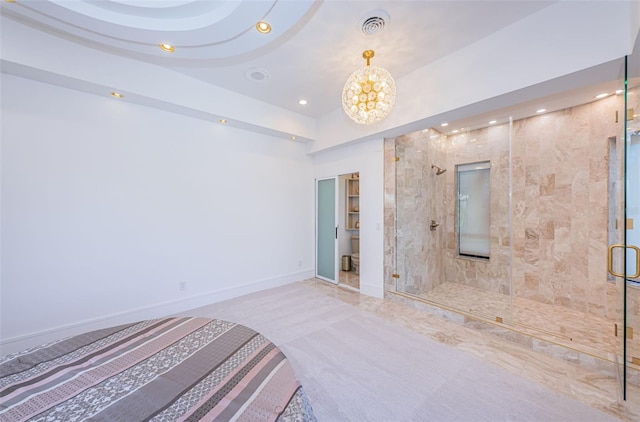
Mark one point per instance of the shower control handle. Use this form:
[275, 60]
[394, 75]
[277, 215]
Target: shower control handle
[433, 225]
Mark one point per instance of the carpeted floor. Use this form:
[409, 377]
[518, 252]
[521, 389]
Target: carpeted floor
[356, 366]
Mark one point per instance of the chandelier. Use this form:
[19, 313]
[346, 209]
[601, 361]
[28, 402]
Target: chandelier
[369, 93]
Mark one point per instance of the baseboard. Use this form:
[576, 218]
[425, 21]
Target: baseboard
[21, 342]
[372, 290]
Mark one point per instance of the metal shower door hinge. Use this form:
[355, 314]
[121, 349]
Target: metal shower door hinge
[630, 114]
[629, 331]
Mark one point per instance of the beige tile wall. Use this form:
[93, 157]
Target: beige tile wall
[420, 257]
[487, 144]
[559, 208]
[560, 197]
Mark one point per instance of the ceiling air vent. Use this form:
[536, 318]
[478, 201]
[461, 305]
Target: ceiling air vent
[374, 22]
[257, 74]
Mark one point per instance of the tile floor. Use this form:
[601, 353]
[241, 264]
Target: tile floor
[591, 387]
[577, 330]
[349, 278]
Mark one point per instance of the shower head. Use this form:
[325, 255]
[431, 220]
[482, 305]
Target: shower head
[439, 170]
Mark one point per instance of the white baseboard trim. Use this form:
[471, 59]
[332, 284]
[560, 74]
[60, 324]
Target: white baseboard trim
[372, 290]
[21, 342]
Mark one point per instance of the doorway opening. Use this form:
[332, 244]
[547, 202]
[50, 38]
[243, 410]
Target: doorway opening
[349, 230]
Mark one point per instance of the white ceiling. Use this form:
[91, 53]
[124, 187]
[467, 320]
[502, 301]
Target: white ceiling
[312, 49]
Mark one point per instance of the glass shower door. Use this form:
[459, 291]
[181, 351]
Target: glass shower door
[632, 244]
[421, 176]
[632, 270]
[624, 254]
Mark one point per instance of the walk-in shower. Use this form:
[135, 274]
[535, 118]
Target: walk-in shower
[533, 256]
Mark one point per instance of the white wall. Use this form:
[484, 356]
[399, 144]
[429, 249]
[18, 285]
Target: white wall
[42, 56]
[108, 206]
[368, 159]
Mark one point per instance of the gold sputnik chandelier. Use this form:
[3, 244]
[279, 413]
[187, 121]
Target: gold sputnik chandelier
[369, 93]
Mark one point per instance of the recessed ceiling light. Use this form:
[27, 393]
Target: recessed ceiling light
[293, 138]
[263, 27]
[444, 124]
[619, 91]
[117, 94]
[302, 102]
[454, 131]
[542, 110]
[604, 94]
[168, 48]
[223, 121]
[493, 122]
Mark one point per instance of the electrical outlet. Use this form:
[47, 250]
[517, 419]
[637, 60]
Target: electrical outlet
[182, 285]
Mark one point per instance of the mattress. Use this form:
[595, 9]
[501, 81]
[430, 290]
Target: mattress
[169, 369]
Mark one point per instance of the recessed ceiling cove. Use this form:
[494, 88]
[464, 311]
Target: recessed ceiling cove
[198, 29]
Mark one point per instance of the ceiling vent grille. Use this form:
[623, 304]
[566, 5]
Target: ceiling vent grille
[374, 22]
[373, 25]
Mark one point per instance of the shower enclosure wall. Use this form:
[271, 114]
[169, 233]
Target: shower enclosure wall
[556, 186]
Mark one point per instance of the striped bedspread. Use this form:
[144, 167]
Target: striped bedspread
[170, 369]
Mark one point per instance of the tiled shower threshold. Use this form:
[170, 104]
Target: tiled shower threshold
[596, 357]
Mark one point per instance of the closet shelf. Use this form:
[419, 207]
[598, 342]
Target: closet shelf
[353, 202]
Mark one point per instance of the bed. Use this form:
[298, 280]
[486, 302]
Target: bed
[168, 369]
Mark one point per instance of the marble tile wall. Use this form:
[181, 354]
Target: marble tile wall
[560, 197]
[426, 258]
[420, 191]
[559, 208]
[488, 144]
[389, 215]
